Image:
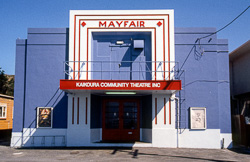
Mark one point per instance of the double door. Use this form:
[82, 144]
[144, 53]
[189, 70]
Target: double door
[121, 120]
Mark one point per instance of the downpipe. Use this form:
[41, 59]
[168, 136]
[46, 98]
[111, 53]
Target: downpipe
[176, 99]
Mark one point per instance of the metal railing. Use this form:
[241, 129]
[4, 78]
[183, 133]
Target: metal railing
[121, 70]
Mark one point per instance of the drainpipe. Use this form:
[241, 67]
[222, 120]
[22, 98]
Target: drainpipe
[178, 123]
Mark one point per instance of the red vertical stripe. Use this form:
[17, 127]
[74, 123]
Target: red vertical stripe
[155, 53]
[164, 110]
[169, 111]
[86, 121]
[74, 46]
[73, 110]
[155, 110]
[164, 57]
[78, 110]
[79, 50]
[168, 51]
[87, 59]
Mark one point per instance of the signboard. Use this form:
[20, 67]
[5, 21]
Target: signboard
[198, 117]
[120, 85]
[44, 117]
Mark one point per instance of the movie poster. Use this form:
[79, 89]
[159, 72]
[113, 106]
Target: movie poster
[198, 117]
[44, 117]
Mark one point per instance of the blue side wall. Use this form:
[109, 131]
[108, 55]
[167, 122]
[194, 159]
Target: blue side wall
[205, 79]
[21, 50]
[45, 53]
[39, 67]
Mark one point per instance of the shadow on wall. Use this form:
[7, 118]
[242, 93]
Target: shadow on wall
[33, 136]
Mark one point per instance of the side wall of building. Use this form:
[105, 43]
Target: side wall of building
[39, 68]
[204, 65]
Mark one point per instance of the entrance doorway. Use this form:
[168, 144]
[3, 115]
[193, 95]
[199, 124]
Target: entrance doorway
[121, 120]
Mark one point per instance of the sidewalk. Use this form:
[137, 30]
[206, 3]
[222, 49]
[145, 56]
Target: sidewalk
[123, 154]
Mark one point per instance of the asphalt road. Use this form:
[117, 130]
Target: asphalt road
[123, 154]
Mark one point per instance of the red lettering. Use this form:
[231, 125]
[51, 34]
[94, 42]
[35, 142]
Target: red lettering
[142, 24]
[132, 23]
[122, 23]
[125, 23]
[119, 23]
[102, 24]
[111, 24]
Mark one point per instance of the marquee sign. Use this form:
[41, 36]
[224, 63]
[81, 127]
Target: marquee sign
[119, 85]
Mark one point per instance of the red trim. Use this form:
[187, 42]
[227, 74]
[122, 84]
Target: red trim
[128, 28]
[73, 113]
[78, 110]
[120, 85]
[164, 110]
[155, 52]
[86, 119]
[120, 19]
[164, 57]
[79, 47]
[155, 110]
[128, 15]
[168, 51]
[118, 28]
[87, 63]
[169, 111]
[74, 47]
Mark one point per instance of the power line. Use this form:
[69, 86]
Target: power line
[198, 39]
[227, 24]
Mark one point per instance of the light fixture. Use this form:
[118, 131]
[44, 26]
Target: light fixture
[119, 42]
[120, 93]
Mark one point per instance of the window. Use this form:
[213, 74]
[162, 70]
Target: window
[3, 111]
[44, 117]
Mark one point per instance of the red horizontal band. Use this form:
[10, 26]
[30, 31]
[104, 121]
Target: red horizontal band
[120, 85]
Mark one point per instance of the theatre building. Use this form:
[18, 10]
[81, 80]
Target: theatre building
[122, 78]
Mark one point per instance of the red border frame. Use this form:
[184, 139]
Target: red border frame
[73, 113]
[127, 28]
[169, 111]
[156, 110]
[86, 119]
[78, 110]
[164, 110]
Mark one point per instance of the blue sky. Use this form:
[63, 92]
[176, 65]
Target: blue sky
[18, 15]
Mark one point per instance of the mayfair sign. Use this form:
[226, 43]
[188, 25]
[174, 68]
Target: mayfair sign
[122, 24]
[120, 85]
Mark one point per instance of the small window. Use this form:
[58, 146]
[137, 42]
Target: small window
[3, 112]
[44, 117]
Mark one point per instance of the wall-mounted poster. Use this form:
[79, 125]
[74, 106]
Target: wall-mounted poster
[198, 118]
[44, 117]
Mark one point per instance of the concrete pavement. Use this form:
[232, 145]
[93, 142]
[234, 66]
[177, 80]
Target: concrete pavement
[123, 154]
